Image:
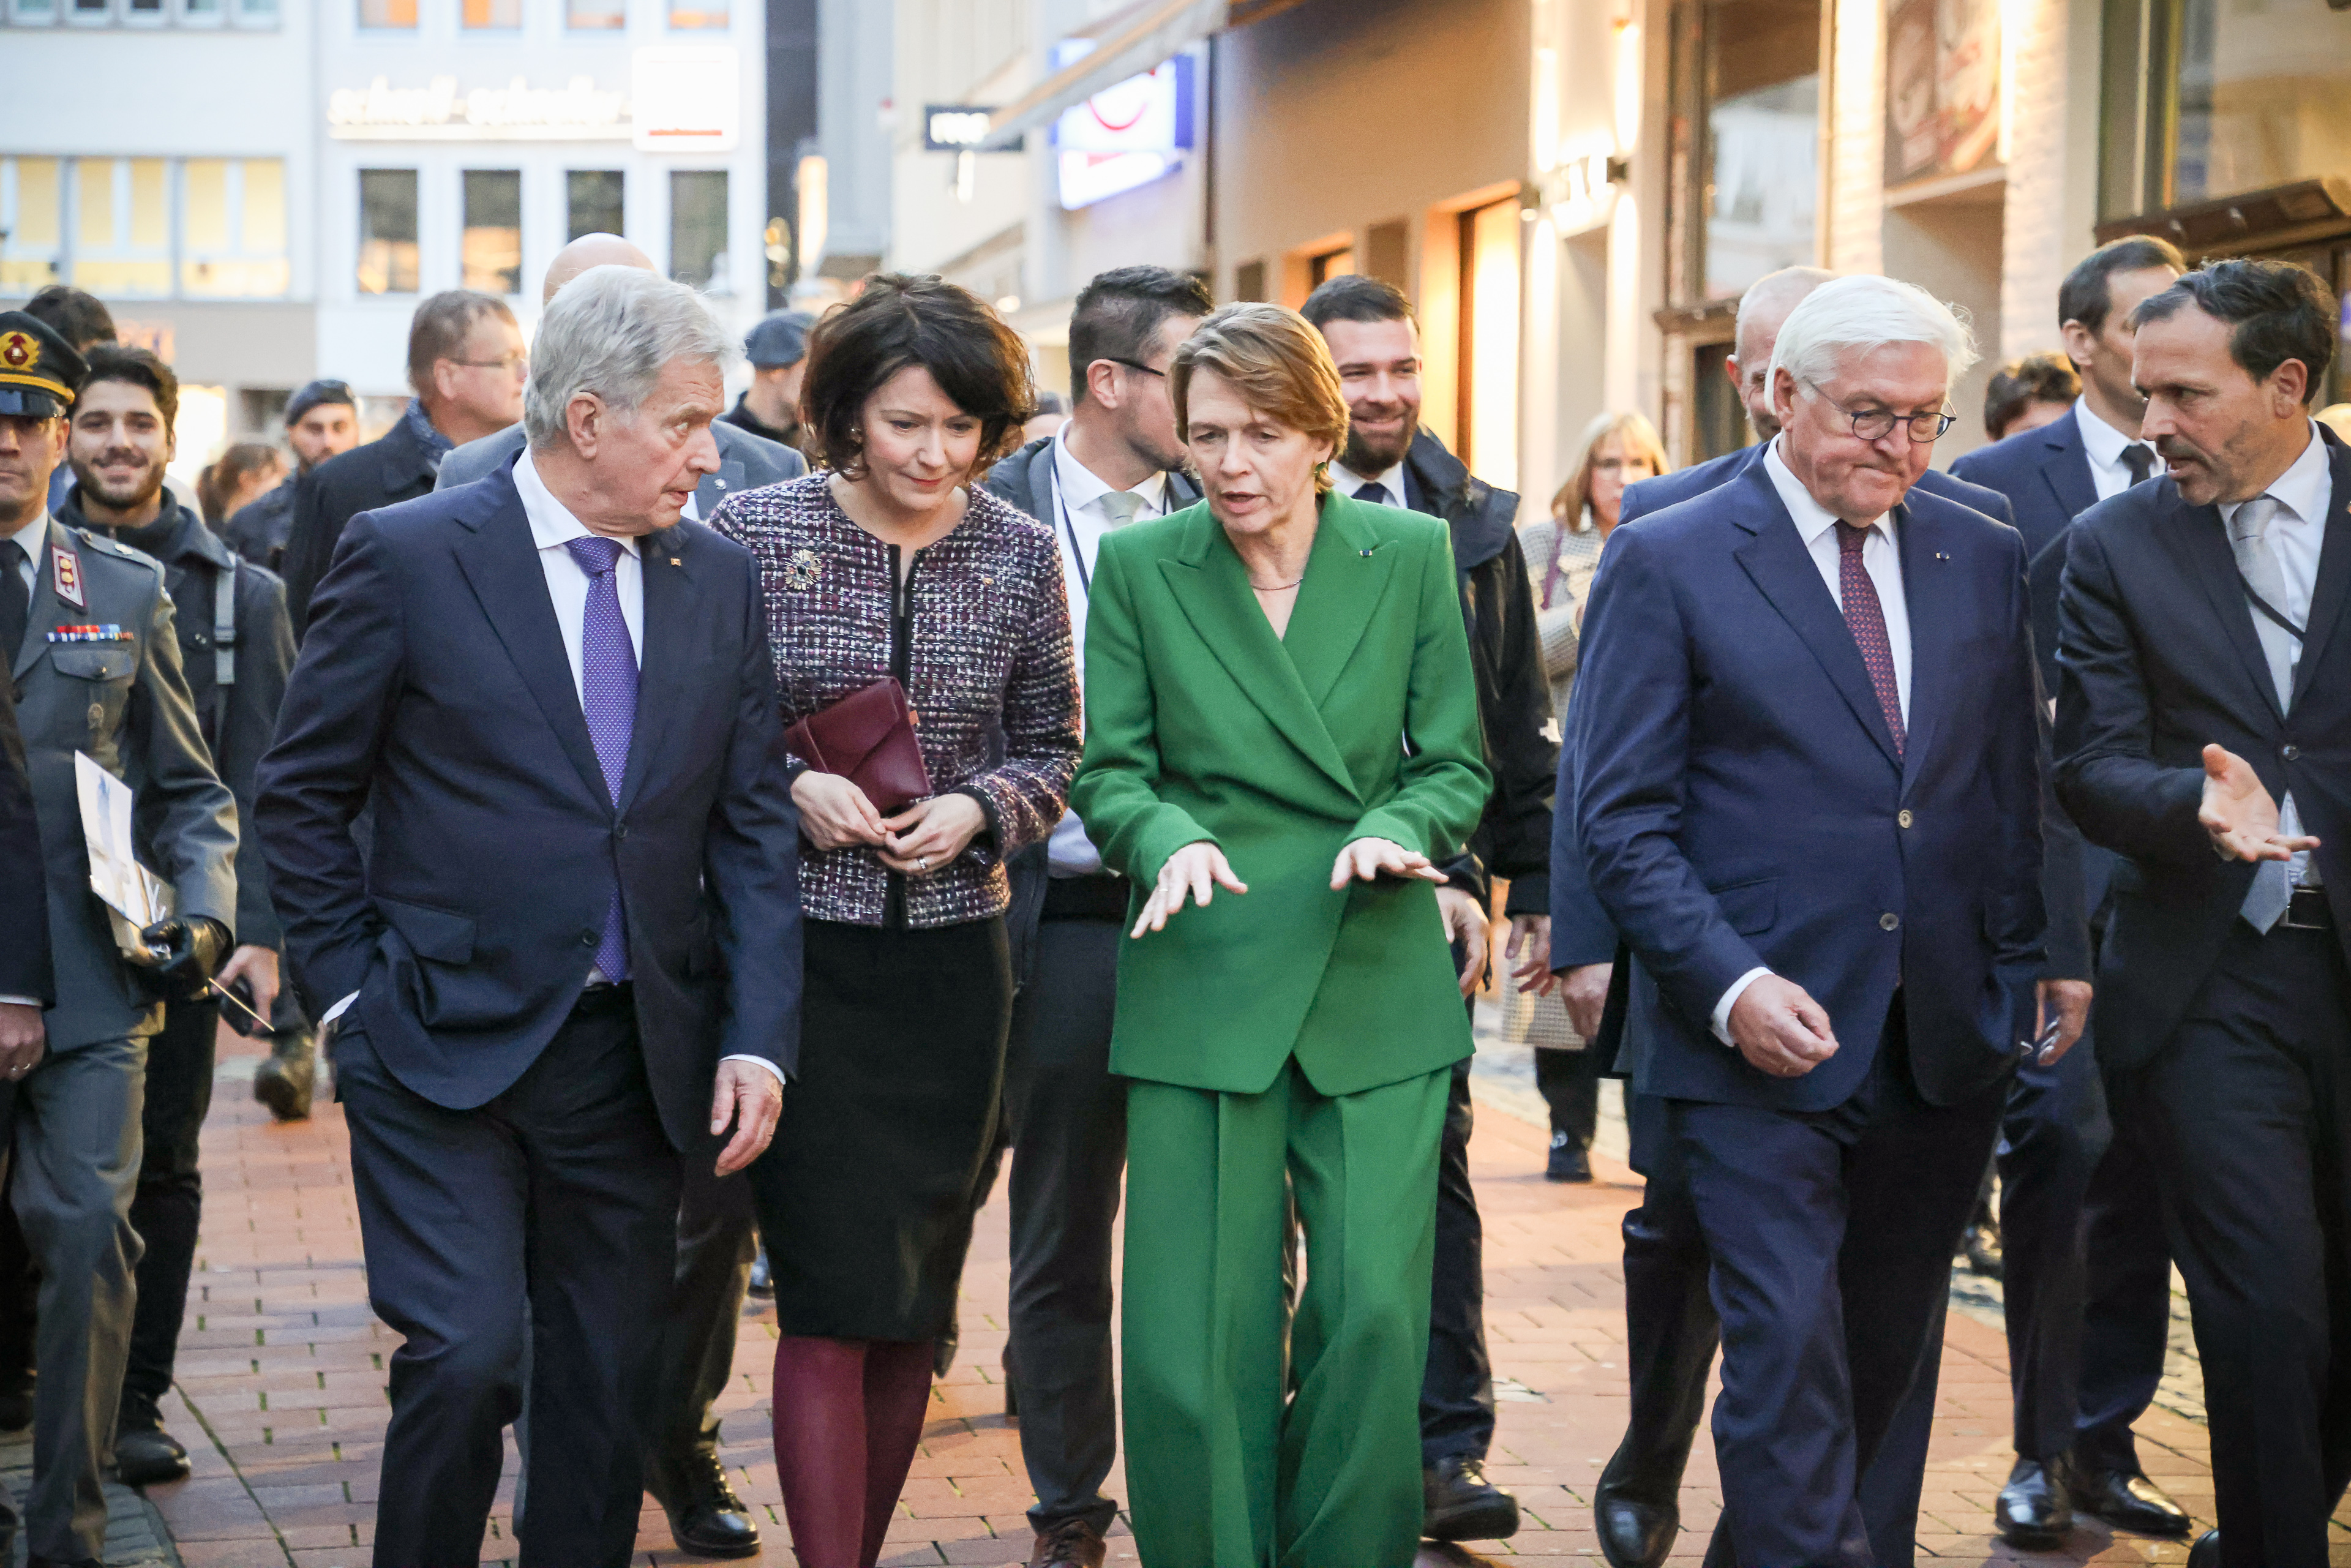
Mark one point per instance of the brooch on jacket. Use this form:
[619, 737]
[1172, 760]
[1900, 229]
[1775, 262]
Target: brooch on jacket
[801, 568]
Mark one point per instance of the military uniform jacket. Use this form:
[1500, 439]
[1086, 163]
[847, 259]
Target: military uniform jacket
[119, 696]
[236, 668]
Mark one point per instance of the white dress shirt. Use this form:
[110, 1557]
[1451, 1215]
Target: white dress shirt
[29, 539]
[552, 527]
[1346, 480]
[1079, 523]
[1882, 559]
[2105, 446]
[2296, 534]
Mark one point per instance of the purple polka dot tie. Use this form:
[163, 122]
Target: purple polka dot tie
[1866, 617]
[608, 694]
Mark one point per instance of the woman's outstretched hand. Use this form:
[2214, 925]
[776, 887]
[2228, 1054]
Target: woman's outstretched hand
[1366, 859]
[1195, 871]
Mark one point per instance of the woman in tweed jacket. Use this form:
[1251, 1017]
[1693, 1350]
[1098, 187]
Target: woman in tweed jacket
[893, 563]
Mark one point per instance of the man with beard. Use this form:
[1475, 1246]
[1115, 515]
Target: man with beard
[1392, 461]
[2204, 694]
[322, 420]
[235, 648]
[89, 622]
[1118, 460]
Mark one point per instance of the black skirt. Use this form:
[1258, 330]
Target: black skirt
[865, 1197]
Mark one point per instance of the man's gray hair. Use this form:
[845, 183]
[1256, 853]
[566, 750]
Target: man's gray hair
[1854, 315]
[609, 332]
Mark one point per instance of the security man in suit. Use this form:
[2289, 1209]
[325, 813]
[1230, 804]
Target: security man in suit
[2087, 1283]
[96, 664]
[716, 1236]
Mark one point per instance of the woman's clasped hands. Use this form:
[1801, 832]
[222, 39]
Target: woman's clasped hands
[924, 838]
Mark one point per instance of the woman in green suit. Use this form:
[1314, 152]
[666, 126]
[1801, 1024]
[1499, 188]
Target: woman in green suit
[1279, 705]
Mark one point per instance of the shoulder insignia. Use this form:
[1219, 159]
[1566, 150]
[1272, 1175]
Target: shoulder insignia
[64, 576]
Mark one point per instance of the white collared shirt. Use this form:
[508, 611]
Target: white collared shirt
[1882, 559]
[30, 540]
[1346, 480]
[2105, 446]
[2296, 534]
[1079, 524]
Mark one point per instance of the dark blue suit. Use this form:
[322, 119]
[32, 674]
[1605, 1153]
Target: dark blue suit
[1647, 495]
[516, 1143]
[1740, 802]
[2088, 1278]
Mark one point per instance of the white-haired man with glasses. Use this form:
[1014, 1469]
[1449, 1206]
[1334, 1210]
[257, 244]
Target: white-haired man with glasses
[1810, 800]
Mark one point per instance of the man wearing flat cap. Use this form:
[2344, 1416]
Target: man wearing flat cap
[322, 420]
[770, 405]
[95, 660]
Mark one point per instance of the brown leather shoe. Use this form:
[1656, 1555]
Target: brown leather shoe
[1073, 1542]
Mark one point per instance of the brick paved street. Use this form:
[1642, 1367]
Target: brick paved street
[282, 1378]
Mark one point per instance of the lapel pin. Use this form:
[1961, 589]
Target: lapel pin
[674, 561]
[1364, 553]
[1940, 556]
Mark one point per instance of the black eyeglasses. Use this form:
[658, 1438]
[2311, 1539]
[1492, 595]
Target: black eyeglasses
[1877, 424]
[1133, 365]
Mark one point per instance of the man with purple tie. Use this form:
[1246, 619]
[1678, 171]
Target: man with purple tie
[572, 958]
[1810, 799]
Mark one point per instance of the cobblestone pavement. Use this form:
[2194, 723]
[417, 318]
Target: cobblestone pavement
[282, 1396]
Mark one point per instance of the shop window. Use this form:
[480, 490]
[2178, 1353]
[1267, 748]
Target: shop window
[232, 235]
[492, 242]
[122, 226]
[32, 228]
[387, 257]
[595, 14]
[1748, 127]
[592, 199]
[691, 13]
[2263, 89]
[387, 13]
[499, 14]
[1488, 405]
[697, 228]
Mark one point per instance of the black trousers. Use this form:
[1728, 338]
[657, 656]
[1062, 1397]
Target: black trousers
[2127, 1307]
[1457, 1389]
[717, 1242]
[167, 1207]
[556, 1204]
[1671, 1329]
[1065, 1116]
[2248, 1116]
[1831, 1235]
[1569, 1081]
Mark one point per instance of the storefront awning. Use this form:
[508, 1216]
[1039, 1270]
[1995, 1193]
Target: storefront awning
[1132, 42]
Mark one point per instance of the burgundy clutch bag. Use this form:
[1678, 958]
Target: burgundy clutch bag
[867, 738]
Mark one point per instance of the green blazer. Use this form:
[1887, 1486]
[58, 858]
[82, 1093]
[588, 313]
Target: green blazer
[1361, 721]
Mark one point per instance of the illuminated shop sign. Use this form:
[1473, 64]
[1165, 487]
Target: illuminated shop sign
[685, 99]
[1126, 135]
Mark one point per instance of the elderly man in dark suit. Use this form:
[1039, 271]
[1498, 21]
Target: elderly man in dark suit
[466, 363]
[549, 674]
[2088, 1277]
[1810, 799]
[2203, 707]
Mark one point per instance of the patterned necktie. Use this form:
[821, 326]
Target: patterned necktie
[2140, 459]
[608, 694]
[2257, 563]
[16, 601]
[1119, 506]
[1866, 617]
[1374, 492]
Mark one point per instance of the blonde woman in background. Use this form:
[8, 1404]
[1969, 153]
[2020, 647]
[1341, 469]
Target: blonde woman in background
[1563, 550]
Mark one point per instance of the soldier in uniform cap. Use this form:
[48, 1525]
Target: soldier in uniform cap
[94, 659]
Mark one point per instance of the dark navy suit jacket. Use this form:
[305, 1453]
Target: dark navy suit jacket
[1647, 495]
[434, 689]
[2156, 658]
[2045, 474]
[1741, 802]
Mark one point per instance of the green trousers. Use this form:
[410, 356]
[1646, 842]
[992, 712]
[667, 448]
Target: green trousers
[1220, 1471]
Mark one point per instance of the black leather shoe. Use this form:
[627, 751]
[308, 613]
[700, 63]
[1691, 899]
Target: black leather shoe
[1461, 1504]
[145, 1454]
[2031, 1514]
[2206, 1552]
[2127, 1500]
[1568, 1160]
[284, 1082]
[1633, 1534]
[706, 1517]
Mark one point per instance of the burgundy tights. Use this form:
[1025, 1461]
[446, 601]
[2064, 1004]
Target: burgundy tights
[849, 1413]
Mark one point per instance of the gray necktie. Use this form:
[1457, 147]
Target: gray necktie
[1119, 506]
[2257, 563]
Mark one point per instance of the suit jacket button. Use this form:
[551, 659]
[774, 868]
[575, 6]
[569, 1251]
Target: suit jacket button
[1902, 819]
[621, 831]
[588, 938]
[1889, 920]
[2290, 752]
